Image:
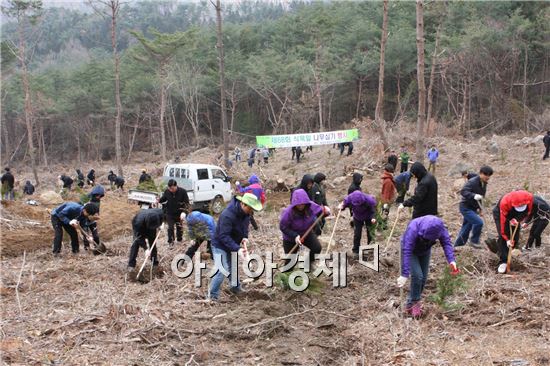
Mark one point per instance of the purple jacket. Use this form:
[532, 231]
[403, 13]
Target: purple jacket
[419, 238]
[293, 222]
[362, 205]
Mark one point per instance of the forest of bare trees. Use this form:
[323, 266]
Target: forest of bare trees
[128, 77]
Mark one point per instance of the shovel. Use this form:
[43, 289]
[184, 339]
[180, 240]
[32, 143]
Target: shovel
[509, 260]
[97, 249]
[148, 254]
[304, 236]
[333, 231]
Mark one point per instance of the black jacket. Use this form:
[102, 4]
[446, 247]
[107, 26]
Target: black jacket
[541, 210]
[144, 177]
[67, 181]
[8, 179]
[392, 159]
[317, 191]
[471, 188]
[546, 140]
[119, 181]
[111, 177]
[356, 183]
[147, 220]
[80, 176]
[175, 203]
[307, 178]
[424, 201]
[91, 175]
[29, 188]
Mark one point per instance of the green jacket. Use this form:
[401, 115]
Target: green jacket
[404, 157]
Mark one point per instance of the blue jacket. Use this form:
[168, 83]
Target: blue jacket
[403, 181]
[69, 211]
[201, 225]
[433, 155]
[232, 228]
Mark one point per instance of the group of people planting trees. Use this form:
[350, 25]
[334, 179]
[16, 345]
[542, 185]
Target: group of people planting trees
[304, 219]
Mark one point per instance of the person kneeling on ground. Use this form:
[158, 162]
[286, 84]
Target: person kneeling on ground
[540, 216]
[296, 219]
[70, 216]
[363, 208]
[145, 225]
[202, 227]
[231, 232]
[508, 213]
[416, 246]
[28, 189]
[470, 207]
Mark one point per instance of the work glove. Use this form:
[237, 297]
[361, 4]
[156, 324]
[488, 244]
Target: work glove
[401, 207]
[244, 242]
[401, 281]
[386, 206]
[237, 183]
[326, 210]
[163, 226]
[147, 253]
[341, 206]
[524, 225]
[454, 268]
[73, 222]
[478, 197]
[510, 244]
[373, 221]
[183, 216]
[514, 222]
[298, 240]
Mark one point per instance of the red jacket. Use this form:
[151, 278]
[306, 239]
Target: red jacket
[511, 200]
[388, 188]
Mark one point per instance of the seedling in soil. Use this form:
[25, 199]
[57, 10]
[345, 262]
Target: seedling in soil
[447, 286]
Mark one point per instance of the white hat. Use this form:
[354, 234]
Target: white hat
[183, 216]
[520, 208]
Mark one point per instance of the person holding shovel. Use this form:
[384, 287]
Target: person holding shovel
[470, 207]
[363, 207]
[175, 201]
[145, 225]
[424, 200]
[296, 219]
[95, 196]
[508, 213]
[416, 246]
[540, 217]
[202, 228]
[70, 216]
[231, 236]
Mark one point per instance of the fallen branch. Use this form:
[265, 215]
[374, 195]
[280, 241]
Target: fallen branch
[267, 321]
[18, 283]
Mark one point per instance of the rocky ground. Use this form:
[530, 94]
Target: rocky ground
[83, 310]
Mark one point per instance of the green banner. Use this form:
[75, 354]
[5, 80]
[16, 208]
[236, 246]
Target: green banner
[308, 139]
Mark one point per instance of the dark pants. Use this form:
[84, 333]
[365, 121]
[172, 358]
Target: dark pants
[536, 231]
[298, 157]
[401, 196]
[420, 267]
[193, 248]
[139, 241]
[250, 162]
[58, 227]
[310, 242]
[358, 233]
[93, 229]
[546, 153]
[174, 221]
[404, 167]
[503, 251]
[293, 154]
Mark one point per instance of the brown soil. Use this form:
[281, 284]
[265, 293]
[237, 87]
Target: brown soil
[83, 310]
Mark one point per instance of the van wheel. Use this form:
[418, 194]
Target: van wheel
[217, 205]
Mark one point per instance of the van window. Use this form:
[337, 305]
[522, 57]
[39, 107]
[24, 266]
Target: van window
[177, 172]
[171, 174]
[218, 174]
[185, 173]
[202, 173]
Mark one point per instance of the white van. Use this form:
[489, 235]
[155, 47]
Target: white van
[207, 186]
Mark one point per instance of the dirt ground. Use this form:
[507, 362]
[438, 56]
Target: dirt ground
[83, 310]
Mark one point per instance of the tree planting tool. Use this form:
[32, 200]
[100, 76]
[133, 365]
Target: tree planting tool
[512, 238]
